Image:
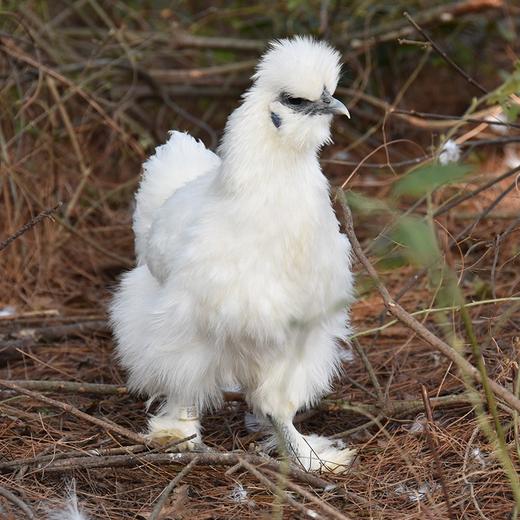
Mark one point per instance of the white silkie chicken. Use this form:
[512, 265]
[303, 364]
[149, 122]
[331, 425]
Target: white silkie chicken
[243, 277]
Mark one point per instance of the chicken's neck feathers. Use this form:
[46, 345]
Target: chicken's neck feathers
[257, 164]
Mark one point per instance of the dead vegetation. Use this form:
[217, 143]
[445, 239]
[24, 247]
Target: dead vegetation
[90, 87]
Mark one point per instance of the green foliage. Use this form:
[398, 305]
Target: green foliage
[417, 240]
[366, 205]
[502, 94]
[427, 178]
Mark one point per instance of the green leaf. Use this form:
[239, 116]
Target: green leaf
[425, 179]
[365, 205]
[418, 241]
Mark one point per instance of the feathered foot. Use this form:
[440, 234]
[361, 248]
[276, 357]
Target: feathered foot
[313, 452]
[325, 455]
[169, 428]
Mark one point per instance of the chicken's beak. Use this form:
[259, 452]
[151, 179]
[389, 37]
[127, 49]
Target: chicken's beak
[337, 107]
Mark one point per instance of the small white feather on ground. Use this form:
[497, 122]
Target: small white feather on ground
[70, 509]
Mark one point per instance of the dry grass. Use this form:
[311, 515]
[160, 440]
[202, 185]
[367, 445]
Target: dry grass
[89, 88]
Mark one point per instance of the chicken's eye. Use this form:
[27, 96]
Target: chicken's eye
[295, 101]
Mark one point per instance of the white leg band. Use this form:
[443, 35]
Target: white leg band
[188, 413]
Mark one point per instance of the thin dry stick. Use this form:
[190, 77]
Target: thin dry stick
[17, 502]
[36, 220]
[278, 491]
[433, 310]
[396, 310]
[103, 423]
[332, 512]
[85, 171]
[212, 42]
[370, 369]
[169, 488]
[450, 205]
[450, 120]
[435, 453]
[394, 408]
[184, 75]
[444, 56]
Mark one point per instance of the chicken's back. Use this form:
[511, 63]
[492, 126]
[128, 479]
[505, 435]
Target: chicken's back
[177, 162]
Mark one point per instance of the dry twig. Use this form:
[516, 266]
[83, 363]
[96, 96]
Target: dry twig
[33, 222]
[435, 453]
[444, 56]
[156, 513]
[278, 491]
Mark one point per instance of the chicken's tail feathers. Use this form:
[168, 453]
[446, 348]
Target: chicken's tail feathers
[175, 163]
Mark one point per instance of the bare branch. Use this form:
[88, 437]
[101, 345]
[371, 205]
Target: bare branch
[26, 227]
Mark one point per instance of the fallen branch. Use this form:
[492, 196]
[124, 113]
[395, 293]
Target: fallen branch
[396, 310]
[29, 337]
[369, 37]
[453, 120]
[183, 458]
[71, 387]
[68, 408]
[17, 502]
[57, 332]
[394, 409]
[388, 409]
[39, 460]
[204, 459]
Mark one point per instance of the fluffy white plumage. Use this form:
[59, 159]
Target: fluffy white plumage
[243, 276]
